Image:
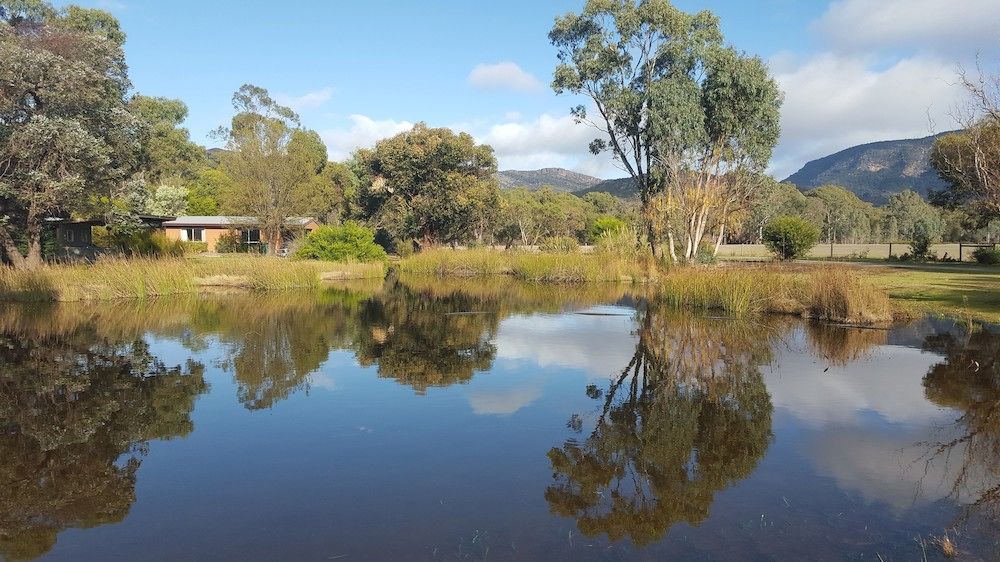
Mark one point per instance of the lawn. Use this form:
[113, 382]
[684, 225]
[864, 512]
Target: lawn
[958, 290]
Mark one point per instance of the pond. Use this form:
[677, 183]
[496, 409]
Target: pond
[485, 420]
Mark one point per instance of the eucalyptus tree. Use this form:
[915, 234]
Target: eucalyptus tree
[969, 160]
[270, 159]
[67, 140]
[690, 120]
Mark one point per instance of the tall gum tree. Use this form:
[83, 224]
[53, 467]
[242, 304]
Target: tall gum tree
[270, 159]
[689, 120]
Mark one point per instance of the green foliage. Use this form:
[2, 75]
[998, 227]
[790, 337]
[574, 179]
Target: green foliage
[674, 102]
[68, 138]
[271, 160]
[532, 216]
[603, 225]
[140, 243]
[789, 237]
[194, 247]
[230, 243]
[560, 245]
[623, 243]
[168, 201]
[206, 190]
[843, 216]
[167, 150]
[430, 185]
[349, 242]
[987, 256]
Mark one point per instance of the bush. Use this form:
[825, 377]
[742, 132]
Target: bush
[790, 237]
[604, 224]
[195, 247]
[230, 243]
[348, 242]
[987, 256]
[560, 245]
[141, 243]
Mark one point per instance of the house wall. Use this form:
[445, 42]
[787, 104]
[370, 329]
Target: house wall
[212, 235]
[74, 235]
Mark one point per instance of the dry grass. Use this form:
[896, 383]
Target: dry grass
[118, 278]
[834, 294]
[529, 266]
[831, 293]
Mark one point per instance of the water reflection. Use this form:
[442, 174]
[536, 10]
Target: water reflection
[663, 411]
[76, 414]
[687, 417]
[423, 341]
[968, 380]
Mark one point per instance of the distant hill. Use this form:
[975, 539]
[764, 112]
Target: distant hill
[623, 188]
[556, 178]
[876, 170]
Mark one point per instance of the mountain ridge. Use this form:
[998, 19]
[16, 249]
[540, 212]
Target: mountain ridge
[875, 170]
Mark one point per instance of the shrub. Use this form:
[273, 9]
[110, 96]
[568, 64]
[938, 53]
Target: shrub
[348, 242]
[987, 256]
[141, 243]
[230, 243]
[603, 225]
[925, 233]
[195, 247]
[790, 237]
[560, 245]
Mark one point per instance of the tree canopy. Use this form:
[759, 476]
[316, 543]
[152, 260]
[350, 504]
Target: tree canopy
[429, 185]
[690, 120]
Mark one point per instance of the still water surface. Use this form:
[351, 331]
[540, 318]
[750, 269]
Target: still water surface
[488, 421]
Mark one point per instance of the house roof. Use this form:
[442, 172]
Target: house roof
[224, 221]
[146, 219]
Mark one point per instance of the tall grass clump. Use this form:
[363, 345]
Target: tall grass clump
[841, 295]
[474, 262]
[832, 294]
[738, 292]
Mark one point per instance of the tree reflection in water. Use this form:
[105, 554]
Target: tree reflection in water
[687, 417]
[76, 414]
[968, 380]
[423, 341]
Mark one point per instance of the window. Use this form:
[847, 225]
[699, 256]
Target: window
[69, 235]
[193, 234]
[251, 236]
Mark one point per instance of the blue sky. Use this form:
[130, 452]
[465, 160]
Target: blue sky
[852, 70]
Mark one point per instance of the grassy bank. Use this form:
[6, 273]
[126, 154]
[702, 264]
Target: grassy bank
[950, 289]
[139, 278]
[832, 293]
[530, 266]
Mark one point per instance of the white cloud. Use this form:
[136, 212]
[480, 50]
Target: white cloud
[363, 132]
[502, 402]
[951, 25]
[835, 101]
[598, 345]
[309, 100]
[503, 76]
[545, 142]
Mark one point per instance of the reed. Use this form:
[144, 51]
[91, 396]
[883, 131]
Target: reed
[833, 294]
[529, 266]
[119, 278]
